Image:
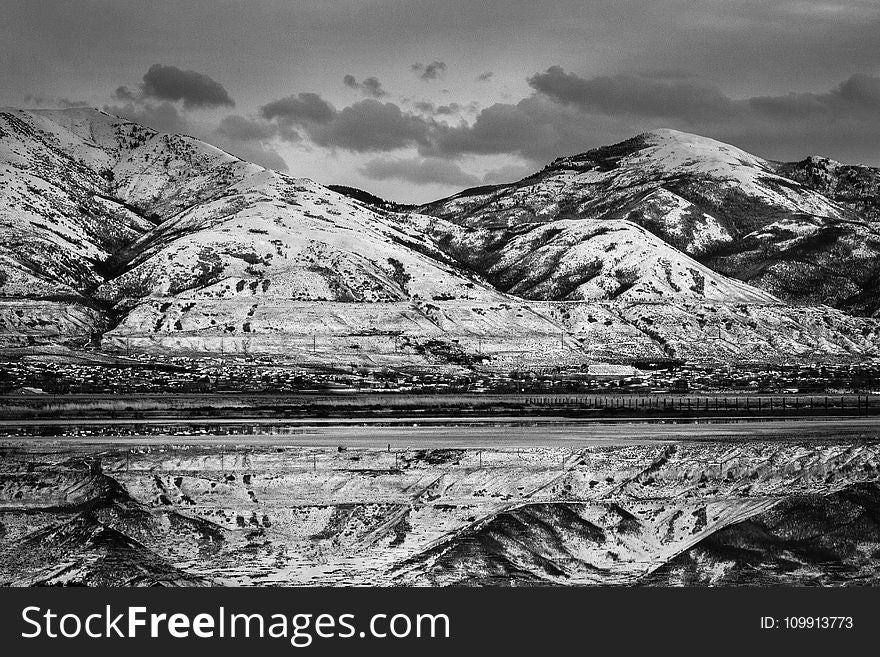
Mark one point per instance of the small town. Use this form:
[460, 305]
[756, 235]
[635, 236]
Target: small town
[150, 374]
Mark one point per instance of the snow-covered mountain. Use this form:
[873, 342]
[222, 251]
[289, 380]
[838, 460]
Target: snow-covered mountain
[804, 232]
[104, 213]
[101, 198]
[111, 229]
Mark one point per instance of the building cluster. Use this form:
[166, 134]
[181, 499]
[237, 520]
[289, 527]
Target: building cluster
[149, 374]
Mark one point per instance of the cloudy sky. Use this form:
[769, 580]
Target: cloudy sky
[415, 99]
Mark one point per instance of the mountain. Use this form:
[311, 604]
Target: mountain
[113, 232]
[807, 233]
[99, 214]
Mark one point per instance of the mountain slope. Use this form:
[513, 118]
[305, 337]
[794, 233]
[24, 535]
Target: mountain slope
[59, 220]
[734, 212]
[584, 259]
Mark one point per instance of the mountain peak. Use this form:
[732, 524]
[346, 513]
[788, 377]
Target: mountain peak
[668, 133]
[676, 148]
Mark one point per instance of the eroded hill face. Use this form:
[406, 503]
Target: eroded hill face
[800, 233]
[163, 242]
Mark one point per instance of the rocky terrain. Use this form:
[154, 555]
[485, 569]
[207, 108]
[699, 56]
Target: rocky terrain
[667, 245]
[662, 513]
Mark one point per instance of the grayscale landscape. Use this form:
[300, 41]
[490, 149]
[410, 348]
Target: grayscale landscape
[556, 328]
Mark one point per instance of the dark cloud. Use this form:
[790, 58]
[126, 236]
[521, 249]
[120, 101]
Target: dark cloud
[742, 57]
[430, 71]
[485, 76]
[420, 171]
[245, 138]
[195, 89]
[701, 105]
[301, 109]
[369, 87]
[631, 95]
[844, 119]
[373, 87]
[163, 117]
[427, 107]
[569, 114]
[47, 101]
[370, 125]
[862, 90]
[126, 95]
[365, 126]
[535, 128]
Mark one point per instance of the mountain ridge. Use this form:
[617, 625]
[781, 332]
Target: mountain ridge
[731, 211]
[114, 229]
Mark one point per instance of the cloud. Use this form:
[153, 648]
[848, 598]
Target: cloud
[248, 139]
[163, 117]
[427, 107]
[535, 128]
[369, 87]
[125, 94]
[855, 97]
[305, 108]
[625, 94]
[419, 171]
[861, 89]
[195, 89]
[46, 101]
[567, 114]
[370, 125]
[844, 119]
[430, 71]
[485, 76]
[365, 126]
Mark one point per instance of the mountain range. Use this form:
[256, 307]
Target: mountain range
[667, 245]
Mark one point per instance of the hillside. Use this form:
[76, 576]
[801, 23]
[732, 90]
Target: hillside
[103, 213]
